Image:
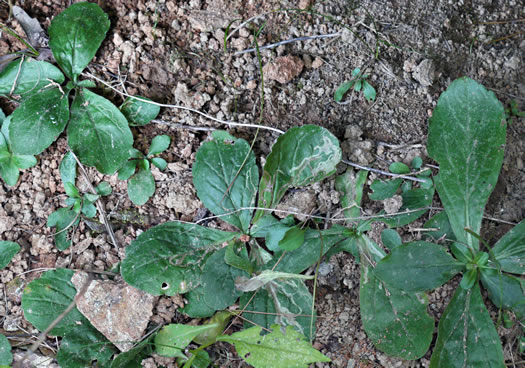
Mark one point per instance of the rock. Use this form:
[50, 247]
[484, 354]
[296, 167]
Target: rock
[301, 202]
[392, 205]
[119, 311]
[181, 198]
[31, 359]
[317, 63]
[424, 73]
[283, 69]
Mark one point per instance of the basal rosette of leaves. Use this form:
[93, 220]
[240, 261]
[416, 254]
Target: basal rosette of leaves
[215, 268]
[98, 132]
[467, 138]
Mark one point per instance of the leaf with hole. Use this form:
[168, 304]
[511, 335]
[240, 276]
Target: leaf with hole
[168, 258]
[278, 349]
[225, 176]
[466, 127]
[75, 36]
[98, 133]
[301, 156]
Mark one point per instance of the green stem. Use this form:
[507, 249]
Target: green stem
[194, 354]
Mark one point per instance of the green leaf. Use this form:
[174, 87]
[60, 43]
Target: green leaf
[396, 322]
[469, 278]
[168, 258]
[390, 238]
[225, 176]
[308, 254]
[29, 77]
[292, 239]
[218, 281]
[342, 89]
[132, 358]
[505, 291]
[138, 112]
[384, 189]
[6, 357]
[159, 162]
[38, 122]
[350, 185]
[301, 156]
[9, 171]
[417, 266]
[510, 250]
[219, 322]
[86, 83]
[127, 170]
[141, 187]
[467, 127]
[416, 163]
[466, 335]
[24, 161]
[62, 219]
[46, 298]
[196, 307]
[75, 36]
[172, 339]
[89, 210]
[441, 223]
[159, 144]
[368, 91]
[68, 168]
[237, 256]
[272, 230]
[8, 250]
[202, 360]
[274, 350]
[71, 190]
[90, 197]
[98, 133]
[287, 302]
[398, 168]
[103, 188]
[83, 344]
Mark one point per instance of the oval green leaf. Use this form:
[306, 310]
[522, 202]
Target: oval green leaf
[396, 322]
[172, 339]
[8, 250]
[6, 357]
[466, 128]
[38, 122]
[68, 168]
[159, 144]
[75, 36]
[510, 250]
[141, 187]
[225, 176]
[98, 133]
[301, 156]
[139, 112]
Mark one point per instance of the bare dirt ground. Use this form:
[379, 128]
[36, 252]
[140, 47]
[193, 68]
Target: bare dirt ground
[173, 52]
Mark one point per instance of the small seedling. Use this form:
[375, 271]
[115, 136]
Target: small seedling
[358, 83]
[66, 219]
[460, 140]
[512, 111]
[141, 184]
[98, 133]
[11, 163]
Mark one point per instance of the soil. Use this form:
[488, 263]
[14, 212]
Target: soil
[173, 52]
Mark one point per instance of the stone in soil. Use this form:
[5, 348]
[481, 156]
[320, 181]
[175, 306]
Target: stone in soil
[119, 311]
[283, 69]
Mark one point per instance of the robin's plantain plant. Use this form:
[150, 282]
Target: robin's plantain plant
[467, 138]
[78, 204]
[141, 184]
[98, 133]
[215, 268]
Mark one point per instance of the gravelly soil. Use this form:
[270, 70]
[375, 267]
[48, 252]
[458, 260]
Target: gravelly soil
[172, 52]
